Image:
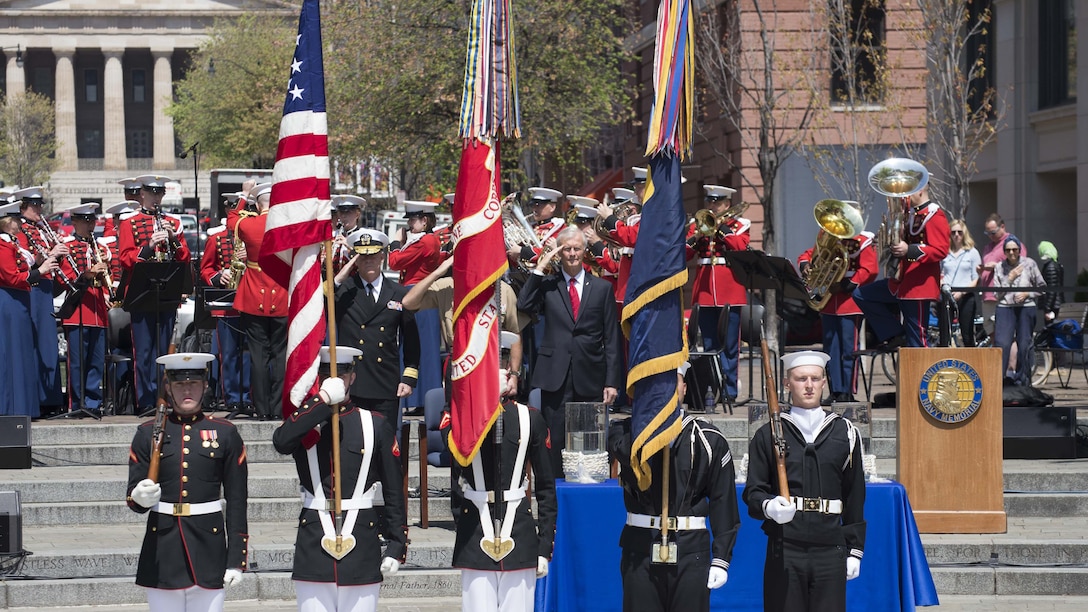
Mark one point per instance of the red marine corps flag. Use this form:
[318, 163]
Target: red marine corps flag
[489, 108]
[298, 215]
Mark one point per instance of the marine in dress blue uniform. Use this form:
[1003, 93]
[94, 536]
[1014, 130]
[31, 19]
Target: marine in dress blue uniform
[195, 543]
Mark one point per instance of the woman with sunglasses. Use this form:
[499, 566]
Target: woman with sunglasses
[1016, 309]
[959, 269]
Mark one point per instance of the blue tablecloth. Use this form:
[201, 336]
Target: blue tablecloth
[584, 573]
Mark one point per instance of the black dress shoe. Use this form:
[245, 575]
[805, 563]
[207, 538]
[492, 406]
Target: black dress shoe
[827, 401]
[893, 343]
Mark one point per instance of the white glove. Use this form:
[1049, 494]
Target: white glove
[717, 578]
[147, 493]
[333, 391]
[232, 577]
[541, 567]
[779, 510]
[853, 568]
[389, 566]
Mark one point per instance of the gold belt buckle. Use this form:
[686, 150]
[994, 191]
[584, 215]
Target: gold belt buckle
[181, 509]
[655, 522]
[812, 505]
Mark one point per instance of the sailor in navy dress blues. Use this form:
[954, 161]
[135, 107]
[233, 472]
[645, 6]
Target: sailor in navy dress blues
[500, 548]
[369, 472]
[189, 553]
[702, 503]
[816, 538]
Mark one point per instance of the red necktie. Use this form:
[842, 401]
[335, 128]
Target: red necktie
[574, 298]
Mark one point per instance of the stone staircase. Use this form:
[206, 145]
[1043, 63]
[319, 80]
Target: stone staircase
[85, 541]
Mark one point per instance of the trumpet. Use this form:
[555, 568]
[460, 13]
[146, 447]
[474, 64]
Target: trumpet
[839, 219]
[896, 178]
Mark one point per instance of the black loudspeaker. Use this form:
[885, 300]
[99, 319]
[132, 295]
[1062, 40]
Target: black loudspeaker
[11, 523]
[1043, 432]
[15, 442]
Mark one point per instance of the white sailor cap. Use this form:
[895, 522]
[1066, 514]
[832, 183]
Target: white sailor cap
[586, 207]
[414, 208]
[449, 197]
[186, 366]
[30, 194]
[130, 184]
[718, 192]
[262, 189]
[538, 195]
[507, 339]
[366, 241]
[622, 194]
[84, 210]
[347, 200]
[153, 181]
[639, 174]
[122, 207]
[804, 358]
[345, 355]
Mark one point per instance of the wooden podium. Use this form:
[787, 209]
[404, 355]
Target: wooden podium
[950, 434]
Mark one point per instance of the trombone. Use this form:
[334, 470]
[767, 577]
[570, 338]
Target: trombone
[710, 225]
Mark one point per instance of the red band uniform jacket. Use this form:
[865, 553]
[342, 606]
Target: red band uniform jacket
[862, 269]
[532, 537]
[135, 234]
[93, 307]
[715, 284]
[257, 294]
[15, 268]
[200, 455]
[927, 236]
[415, 259]
[361, 565]
[625, 233]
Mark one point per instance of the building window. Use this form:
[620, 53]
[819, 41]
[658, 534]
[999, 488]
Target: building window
[41, 80]
[856, 28]
[138, 143]
[91, 145]
[1057, 53]
[90, 85]
[978, 50]
[139, 90]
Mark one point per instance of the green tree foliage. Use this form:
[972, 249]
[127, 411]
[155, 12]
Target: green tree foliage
[394, 79]
[27, 139]
[231, 99]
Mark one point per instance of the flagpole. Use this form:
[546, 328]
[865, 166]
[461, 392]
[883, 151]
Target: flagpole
[330, 303]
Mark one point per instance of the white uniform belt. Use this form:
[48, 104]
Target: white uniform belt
[184, 509]
[823, 506]
[489, 496]
[366, 501]
[628, 251]
[676, 523]
[714, 261]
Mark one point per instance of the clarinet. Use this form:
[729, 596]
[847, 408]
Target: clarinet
[103, 278]
[44, 252]
[170, 252]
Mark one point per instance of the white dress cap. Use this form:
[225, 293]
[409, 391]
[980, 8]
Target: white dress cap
[622, 194]
[804, 358]
[344, 354]
[543, 194]
[120, 208]
[718, 191]
[507, 339]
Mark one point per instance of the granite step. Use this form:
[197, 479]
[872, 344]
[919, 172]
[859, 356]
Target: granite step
[985, 580]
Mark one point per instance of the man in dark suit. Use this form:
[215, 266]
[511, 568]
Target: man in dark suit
[579, 359]
[370, 317]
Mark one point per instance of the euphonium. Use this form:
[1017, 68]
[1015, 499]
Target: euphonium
[839, 220]
[896, 178]
[516, 231]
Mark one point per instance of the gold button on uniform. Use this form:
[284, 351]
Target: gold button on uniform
[188, 427]
[379, 359]
[185, 464]
[185, 479]
[185, 494]
[186, 437]
[185, 451]
[381, 344]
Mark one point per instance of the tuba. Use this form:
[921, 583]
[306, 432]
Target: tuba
[839, 219]
[516, 231]
[896, 178]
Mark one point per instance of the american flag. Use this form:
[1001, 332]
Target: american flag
[298, 217]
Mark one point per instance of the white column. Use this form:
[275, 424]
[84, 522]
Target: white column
[113, 98]
[163, 130]
[16, 76]
[67, 152]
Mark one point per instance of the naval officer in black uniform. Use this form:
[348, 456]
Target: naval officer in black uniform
[500, 548]
[370, 317]
[815, 539]
[702, 502]
[188, 553]
[369, 456]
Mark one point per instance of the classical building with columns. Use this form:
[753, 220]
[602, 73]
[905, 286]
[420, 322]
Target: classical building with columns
[110, 66]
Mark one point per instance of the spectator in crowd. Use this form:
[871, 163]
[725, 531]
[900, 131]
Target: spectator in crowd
[992, 256]
[959, 269]
[1054, 275]
[1016, 310]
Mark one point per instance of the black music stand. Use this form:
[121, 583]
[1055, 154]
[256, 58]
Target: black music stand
[757, 270]
[157, 286]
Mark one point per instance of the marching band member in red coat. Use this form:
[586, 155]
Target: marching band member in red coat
[922, 245]
[148, 236]
[132, 196]
[599, 259]
[119, 212]
[841, 317]
[546, 225]
[715, 287]
[263, 307]
[621, 221]
[85, 328]
[232, 377]
[18, 274]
